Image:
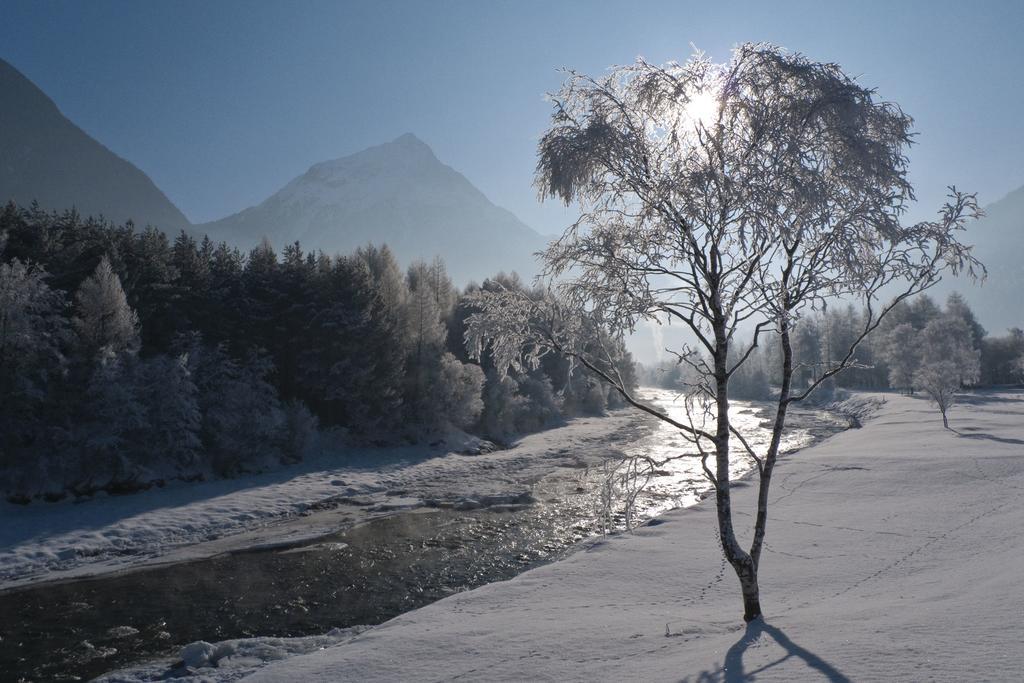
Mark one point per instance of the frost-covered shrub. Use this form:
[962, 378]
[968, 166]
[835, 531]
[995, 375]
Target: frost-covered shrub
[584, 395]
[460, 386]
[541, 408]
[595, 399]
[171, 445]
[242, 416]
[502, 407]
[112, 424]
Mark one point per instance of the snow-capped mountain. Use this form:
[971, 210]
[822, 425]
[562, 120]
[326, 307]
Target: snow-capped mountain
[45, 157]
[397, 193]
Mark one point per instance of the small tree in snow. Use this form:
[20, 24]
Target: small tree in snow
[949, 361]
[723, 197]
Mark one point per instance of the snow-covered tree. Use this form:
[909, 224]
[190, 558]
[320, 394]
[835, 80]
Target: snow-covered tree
[949, 361]
[242, 421]
[900, 349]
[427, 307]
[32, 330]
[33, 334]
[1001, 358]
[172, 442]
[502, 406]
[458, 389]
[543, 408]
[103, 318]
[113, 426]
[957, 306]
[427, 331]
[723, 196]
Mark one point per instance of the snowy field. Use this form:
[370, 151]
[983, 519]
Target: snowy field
[186, 521]
[893, 553]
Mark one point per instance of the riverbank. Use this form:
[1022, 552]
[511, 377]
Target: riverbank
[892, 554]
[327, 492]
[330, 491]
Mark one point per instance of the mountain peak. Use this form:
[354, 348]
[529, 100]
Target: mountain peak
[410, 147]
[398, 193]
[409, 140]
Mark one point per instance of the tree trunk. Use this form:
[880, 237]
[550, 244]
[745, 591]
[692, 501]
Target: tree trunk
[945, 420]
[740, 560]
[761, 522]
[751, 592]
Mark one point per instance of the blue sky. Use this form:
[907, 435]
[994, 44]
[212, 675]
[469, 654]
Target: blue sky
[222, 103]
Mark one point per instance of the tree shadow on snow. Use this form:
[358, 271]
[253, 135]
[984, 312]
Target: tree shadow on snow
[989, 437]
[982, 397]
[732, 670]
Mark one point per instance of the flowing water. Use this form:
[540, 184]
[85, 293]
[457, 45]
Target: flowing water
[362, 575]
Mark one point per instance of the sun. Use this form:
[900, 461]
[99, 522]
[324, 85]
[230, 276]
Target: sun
[702, 108]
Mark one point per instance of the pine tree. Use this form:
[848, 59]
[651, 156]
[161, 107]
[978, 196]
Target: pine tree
[958, 307]
[427, 332]
[104, 319]
[33, 335]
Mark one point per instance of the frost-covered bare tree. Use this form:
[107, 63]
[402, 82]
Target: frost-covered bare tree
[730, 199]
[948, 362]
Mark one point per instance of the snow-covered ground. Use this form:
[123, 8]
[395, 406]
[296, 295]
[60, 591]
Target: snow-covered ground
[186, 521]
[893, 553]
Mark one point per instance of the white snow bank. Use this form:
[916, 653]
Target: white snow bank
[893, 553]
[230, 660]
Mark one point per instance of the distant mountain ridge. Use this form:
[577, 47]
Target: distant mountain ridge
[396, 193]
[998, 241]
[45, 157]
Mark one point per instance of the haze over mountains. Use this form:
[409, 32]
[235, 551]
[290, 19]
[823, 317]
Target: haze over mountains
[998, 241]
[47, 158]
[398, 193]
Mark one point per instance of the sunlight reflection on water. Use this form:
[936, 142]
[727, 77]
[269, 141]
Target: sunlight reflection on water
[680, 482]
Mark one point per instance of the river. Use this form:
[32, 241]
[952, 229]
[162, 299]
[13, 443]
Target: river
[364, 574]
